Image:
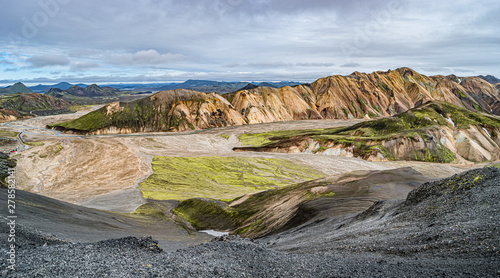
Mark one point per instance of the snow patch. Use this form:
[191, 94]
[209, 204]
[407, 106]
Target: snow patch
[486, 132]
[449, 120]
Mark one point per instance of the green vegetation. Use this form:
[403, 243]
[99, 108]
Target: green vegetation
[34, 144]
[57, 149]
[211, 214]
[8, 134]
[495, 165]
[462, 95]
[261, 139]
[463, 182]
[134, 115]
[207, 214]
[151, 209]
[32, 102]
[181, 178]
[75, 108]
[224, 136]
[89, 122]
[386, 89]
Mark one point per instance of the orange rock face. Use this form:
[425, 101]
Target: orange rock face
[360, 94]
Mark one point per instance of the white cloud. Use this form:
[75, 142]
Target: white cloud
[40, 61]
[350, 65]
[83, 66]
[149, 57]
[262, 39]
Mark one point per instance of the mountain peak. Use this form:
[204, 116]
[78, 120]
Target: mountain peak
[490, 78]
[18, 87]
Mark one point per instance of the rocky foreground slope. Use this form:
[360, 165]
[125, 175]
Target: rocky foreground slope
[358, 95]
[443, 228]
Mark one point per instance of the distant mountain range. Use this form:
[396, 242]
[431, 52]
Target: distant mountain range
[63, 86]
[490, 78]
[205, 86]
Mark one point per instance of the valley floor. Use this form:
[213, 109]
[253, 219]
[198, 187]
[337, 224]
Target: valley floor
[103, 171]
[391, 239]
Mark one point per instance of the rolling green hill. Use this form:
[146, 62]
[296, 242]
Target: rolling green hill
[32, 102]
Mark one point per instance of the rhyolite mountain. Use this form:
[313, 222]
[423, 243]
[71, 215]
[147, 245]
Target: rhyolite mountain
[7, 115]
[16, 88]
[433, 132]
[358, 95]
[89, 91]
[165, 111]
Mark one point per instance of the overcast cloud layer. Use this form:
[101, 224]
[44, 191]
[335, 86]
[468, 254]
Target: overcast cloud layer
[47, 41]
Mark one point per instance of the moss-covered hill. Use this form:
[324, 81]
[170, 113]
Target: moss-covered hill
[32, 102]
[433, 132]
[176, 110]
[93, 94]
[89, 91]
[16, 88]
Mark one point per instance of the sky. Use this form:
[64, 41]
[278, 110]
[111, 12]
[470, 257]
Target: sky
[147, 41]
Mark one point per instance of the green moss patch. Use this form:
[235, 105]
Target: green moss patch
[207, 214]
[261, 139]
[495, 165]
[151, 209]
[9, 134]
[34, 144]
[211, 214]
[180, 178]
